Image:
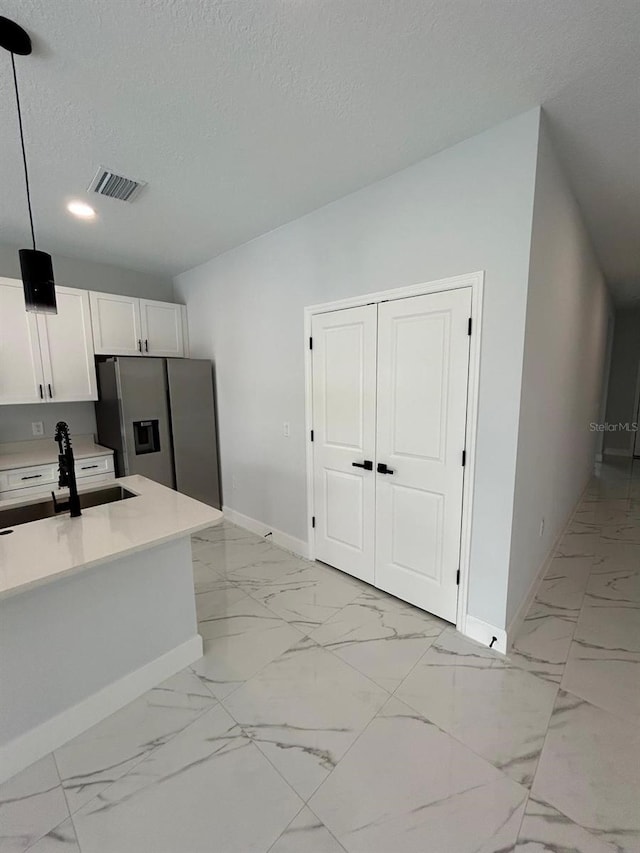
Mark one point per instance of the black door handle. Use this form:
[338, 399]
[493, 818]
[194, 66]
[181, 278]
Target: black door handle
[367, 465]
[382, 469]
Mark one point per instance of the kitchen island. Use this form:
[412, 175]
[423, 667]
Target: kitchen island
[94, 611]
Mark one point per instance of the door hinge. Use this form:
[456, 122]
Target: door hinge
[311, 435]
[469, 327]
[310, 343]
[464, 458]
[313, 521]
[458, 577]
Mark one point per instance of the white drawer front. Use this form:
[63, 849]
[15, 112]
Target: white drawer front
[23, 478]
[35, 492]
[46, 476]
[94, 466]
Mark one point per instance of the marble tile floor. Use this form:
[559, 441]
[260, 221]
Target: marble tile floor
[326, 716]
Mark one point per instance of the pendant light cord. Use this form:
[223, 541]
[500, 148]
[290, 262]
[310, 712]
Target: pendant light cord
[24, 154]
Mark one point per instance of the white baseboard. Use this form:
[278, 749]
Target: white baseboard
[43, 739]
[278, 537]
[483, 632]
[521, 613]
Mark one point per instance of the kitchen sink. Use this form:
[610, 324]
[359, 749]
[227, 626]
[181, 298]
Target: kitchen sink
[13, 516]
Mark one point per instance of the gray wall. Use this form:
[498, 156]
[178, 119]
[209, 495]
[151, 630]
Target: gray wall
[623, 376]
[465, 209]
[15, 421]
[568, 310]
[90, 275]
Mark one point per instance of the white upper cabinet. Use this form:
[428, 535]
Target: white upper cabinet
[21, 374]
[49, 358]
[66, 344]
[125, 325]
[116, 324]
[161, 328]
[45, 357]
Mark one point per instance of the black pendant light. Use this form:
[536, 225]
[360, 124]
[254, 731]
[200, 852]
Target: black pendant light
[36, 266]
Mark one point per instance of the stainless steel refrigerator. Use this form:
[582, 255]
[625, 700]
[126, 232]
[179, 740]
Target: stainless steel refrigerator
[158, 415]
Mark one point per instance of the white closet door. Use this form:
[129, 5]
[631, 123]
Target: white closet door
[344, 401]
[423, 358]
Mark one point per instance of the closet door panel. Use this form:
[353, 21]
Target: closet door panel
[423, 358]
[344, 399]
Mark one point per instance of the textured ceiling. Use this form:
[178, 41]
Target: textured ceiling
[244, 115]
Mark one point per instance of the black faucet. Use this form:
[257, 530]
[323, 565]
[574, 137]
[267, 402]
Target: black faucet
[67, 472]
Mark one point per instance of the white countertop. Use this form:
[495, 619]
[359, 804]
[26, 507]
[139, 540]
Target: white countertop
[43, 551]
[43, 451]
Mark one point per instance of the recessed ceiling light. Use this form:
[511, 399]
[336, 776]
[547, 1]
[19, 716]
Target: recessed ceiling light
[81, 210]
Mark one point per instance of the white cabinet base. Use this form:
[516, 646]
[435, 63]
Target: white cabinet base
[91, 644]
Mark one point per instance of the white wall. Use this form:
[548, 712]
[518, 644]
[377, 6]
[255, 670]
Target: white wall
[467, 208]
[15, 421]
[565, 341]
[621, 400]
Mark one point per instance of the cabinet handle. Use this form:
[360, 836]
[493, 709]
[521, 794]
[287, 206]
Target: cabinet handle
[86, 467]
[41, 392]
[146, 345]
[139, 345]
[32, 477]
[50, 392]
[367, 465]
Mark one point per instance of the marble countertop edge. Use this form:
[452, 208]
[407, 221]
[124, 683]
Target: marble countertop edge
[51, 549]
[44, 451]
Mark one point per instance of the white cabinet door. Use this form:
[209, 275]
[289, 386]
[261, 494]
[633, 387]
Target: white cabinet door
[161, 328]
[21, 379]
[344, 411]
[423, 359]
[66, 344]
[116, 324]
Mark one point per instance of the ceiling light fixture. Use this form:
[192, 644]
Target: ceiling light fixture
[81, 209]
[36, 266]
